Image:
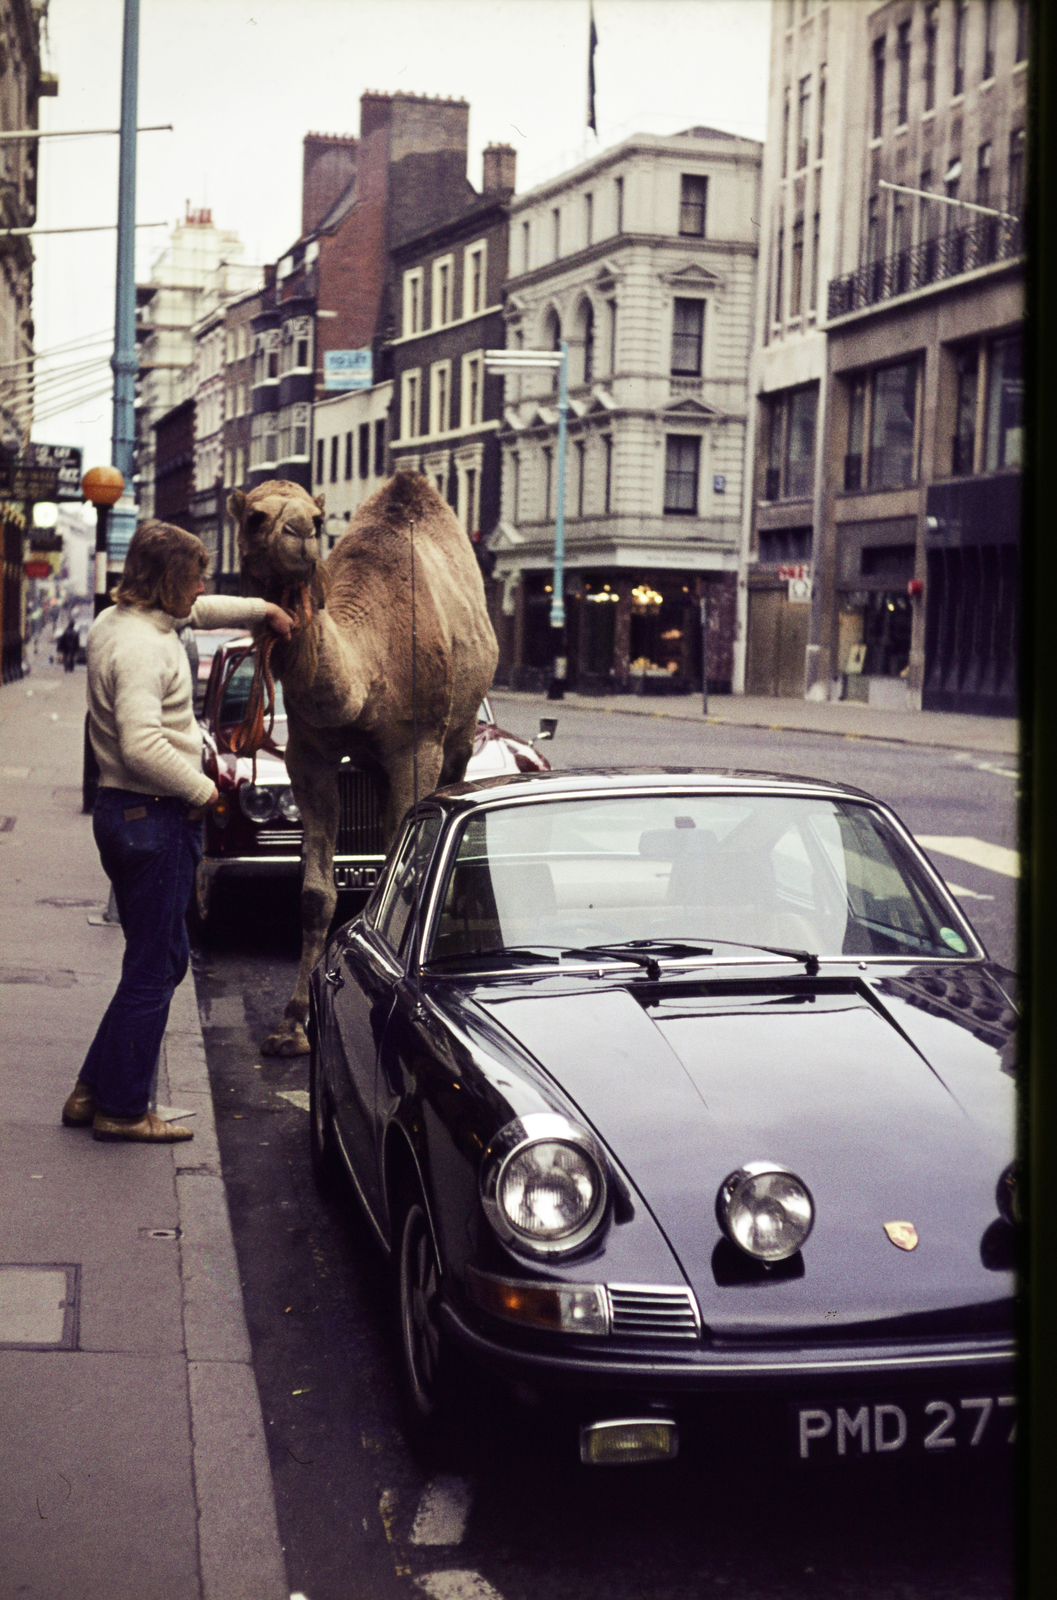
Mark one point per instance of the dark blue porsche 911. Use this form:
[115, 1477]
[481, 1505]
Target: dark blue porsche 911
[688, 1095]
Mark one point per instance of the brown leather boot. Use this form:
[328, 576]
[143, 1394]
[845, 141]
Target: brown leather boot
[148, 1129]
[80, 1106]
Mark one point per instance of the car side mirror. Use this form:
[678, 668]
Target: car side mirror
[548, 728]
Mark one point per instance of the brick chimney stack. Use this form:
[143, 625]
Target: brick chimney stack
[329, 168]
[499, 169]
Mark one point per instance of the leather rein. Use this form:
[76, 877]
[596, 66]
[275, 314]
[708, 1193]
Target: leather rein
[256, 726]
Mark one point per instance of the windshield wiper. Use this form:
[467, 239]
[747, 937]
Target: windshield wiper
[518, 952]
[809, 961]
[643, 952]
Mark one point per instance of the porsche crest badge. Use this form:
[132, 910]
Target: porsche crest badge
[903, 1235]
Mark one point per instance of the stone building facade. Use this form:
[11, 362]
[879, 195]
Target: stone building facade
[644, 260]
[351, 452]
[197, 272]
[905, 497]
[22, 85]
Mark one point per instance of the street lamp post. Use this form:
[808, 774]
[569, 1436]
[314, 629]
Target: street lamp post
[535, 361]
[103, 486]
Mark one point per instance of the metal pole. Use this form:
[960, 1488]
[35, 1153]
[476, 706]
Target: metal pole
[124, 361]
[102, 517]
[704, 654]
[556, 688]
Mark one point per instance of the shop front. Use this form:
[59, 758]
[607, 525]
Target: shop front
[628, 631]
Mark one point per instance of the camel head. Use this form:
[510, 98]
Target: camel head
[279, 526]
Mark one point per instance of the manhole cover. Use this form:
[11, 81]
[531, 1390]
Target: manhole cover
[38, 1306]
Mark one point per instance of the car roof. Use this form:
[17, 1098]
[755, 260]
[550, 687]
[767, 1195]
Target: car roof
[570, 782]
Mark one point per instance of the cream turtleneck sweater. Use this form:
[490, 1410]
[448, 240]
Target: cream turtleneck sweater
[141, 698]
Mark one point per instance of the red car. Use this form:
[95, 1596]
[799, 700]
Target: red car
[254, 830]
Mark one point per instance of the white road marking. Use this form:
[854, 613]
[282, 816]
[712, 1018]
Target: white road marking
[296, 1097]
[14, 772]
[968, 894]
[457, 1586]
[994, 857]
[443, 1511]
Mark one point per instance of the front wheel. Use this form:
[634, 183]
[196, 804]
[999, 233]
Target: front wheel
[321, 1141]
[426, 1374]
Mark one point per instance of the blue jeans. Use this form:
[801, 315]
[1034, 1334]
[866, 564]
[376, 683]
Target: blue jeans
[150, 858]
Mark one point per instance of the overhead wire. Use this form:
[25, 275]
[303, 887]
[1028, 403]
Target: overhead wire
[86, 339]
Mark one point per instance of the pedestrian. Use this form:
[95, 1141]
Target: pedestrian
[69, 644]
[148, 812]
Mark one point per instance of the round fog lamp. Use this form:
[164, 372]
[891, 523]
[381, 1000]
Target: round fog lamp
[765, 1210]
[549, 1190]
[258, 802]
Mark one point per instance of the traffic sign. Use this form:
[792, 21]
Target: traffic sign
[66, 460]
[23, 480]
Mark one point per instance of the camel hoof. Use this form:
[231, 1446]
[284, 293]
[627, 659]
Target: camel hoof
[288, 1040]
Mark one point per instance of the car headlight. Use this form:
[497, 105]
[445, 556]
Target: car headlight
[258, 802]
[288, 805]
[543, 1184]
[765, 1210]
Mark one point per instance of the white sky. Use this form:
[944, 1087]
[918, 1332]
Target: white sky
[242, 81]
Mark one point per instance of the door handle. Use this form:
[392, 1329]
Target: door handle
[334, 978]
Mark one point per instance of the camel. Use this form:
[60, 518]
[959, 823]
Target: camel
[346, 670]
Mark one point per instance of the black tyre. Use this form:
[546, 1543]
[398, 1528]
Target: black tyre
[426, 1360]
[323, 1149]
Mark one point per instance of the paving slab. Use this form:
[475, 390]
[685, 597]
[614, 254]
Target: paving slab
[133, 1463]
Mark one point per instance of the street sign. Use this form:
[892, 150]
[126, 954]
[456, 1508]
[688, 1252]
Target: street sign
[793, 569]
[348, 369]
[66, 460]
[38, 569]
[800, 590]
[22, 481]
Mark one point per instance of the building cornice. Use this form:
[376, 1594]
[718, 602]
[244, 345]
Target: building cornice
[618, 243]
[731, 152]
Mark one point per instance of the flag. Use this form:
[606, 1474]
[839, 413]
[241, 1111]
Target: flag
[592, 41]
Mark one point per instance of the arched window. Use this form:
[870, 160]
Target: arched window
[552, 340]
[586, 331]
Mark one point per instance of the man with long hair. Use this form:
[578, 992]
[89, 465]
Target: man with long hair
[148, 812]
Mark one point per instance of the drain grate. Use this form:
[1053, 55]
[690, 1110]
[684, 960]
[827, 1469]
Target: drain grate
[39, 1305]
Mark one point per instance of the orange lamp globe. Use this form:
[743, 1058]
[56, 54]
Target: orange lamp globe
[103, 486]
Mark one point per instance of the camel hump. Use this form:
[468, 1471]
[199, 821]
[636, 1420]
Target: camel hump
[407, 495]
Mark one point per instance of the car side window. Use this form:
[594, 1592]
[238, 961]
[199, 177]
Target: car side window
[398, 897]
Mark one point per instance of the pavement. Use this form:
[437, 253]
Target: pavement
[847, 719]
[133, 1463]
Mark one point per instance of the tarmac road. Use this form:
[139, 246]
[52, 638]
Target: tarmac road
[358, 1517]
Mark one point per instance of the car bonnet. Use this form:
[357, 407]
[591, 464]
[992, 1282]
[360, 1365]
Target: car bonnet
[887, 1112]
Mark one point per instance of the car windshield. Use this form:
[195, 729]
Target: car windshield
[237, 694]
[831, 877]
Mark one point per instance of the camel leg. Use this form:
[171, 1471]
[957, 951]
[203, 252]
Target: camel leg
[458, 749]
[399, 766]
[315, 787]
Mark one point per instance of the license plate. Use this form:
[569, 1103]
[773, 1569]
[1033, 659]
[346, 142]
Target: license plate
[930, 1425]
[347, 875]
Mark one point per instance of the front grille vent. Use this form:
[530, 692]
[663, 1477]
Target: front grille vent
[361, 821]
[641, 1312]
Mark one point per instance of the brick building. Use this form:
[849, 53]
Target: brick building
[333, 292]
[446, 410]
